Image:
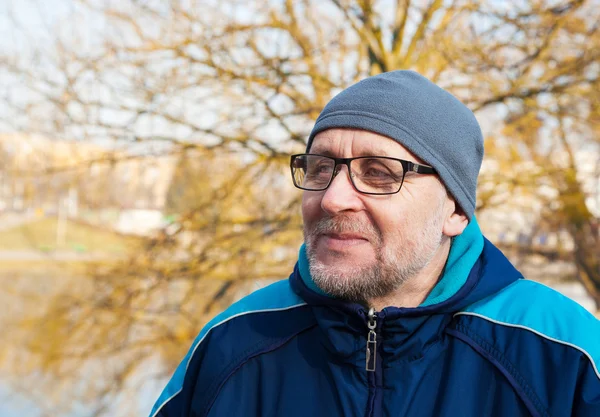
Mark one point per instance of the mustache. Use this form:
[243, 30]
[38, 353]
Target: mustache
[345, 224]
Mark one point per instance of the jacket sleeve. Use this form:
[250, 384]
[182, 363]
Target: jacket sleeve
[587, 394]
[246, 328]
[175, 399]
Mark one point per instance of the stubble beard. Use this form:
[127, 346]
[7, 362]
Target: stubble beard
[393, 266]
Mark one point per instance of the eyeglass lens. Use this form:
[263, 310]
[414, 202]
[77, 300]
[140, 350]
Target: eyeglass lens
[369, 174]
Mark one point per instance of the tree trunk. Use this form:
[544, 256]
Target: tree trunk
[587, 257]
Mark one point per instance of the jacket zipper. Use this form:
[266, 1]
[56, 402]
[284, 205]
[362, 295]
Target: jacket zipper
[371, 341]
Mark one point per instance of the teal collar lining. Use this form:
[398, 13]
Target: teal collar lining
[466, 249]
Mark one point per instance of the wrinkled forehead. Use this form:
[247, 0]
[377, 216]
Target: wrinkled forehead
[347, 143]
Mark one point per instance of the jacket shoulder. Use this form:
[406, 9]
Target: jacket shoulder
[538, 309]
[531, 334]
[255, 322]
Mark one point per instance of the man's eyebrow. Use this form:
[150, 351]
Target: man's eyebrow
[374, 152]
[325, 152]
[367, 152]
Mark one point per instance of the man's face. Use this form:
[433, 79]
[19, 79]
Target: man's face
[366, 246]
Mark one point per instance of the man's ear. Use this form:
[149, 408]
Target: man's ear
[456, 221]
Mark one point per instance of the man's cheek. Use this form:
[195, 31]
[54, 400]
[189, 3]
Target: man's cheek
[310, 208]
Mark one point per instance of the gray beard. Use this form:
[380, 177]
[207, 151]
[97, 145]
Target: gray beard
[393, 266]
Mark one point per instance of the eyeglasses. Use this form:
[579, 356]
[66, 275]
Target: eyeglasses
[377, 175]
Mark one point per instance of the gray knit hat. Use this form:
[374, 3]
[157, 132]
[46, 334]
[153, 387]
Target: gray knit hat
[424, 118]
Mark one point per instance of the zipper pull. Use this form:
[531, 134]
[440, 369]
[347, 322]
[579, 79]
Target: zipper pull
[371, 341]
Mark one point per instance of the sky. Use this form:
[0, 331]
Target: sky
[34, 16]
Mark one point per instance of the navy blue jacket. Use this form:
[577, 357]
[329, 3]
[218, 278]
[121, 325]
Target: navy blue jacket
[496, 345]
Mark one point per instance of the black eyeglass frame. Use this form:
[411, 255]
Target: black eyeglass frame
[407, 166]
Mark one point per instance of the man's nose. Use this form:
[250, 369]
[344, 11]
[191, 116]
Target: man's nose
[341, 195]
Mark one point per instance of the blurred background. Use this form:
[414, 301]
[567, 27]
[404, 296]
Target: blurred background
[144, 177]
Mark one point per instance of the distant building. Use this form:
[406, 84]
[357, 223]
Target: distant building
[88, 182]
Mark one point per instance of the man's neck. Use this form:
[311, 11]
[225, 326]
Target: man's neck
[415, 290]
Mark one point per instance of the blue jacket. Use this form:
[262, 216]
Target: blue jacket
[485, 343]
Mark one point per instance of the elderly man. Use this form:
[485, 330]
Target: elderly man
[398, 306]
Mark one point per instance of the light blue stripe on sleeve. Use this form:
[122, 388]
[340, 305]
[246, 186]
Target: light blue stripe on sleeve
[275, 297]
[532, 306]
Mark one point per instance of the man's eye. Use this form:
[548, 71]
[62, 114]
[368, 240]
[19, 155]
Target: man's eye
[377, 173]
[319, 169]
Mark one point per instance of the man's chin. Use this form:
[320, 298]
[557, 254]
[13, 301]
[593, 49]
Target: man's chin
[345, 283]
[344, 260]
[341, 265]
[348, 262]
[341, 247]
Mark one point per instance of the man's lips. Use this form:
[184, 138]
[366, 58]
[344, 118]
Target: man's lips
[343, 241]
[345, 236]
